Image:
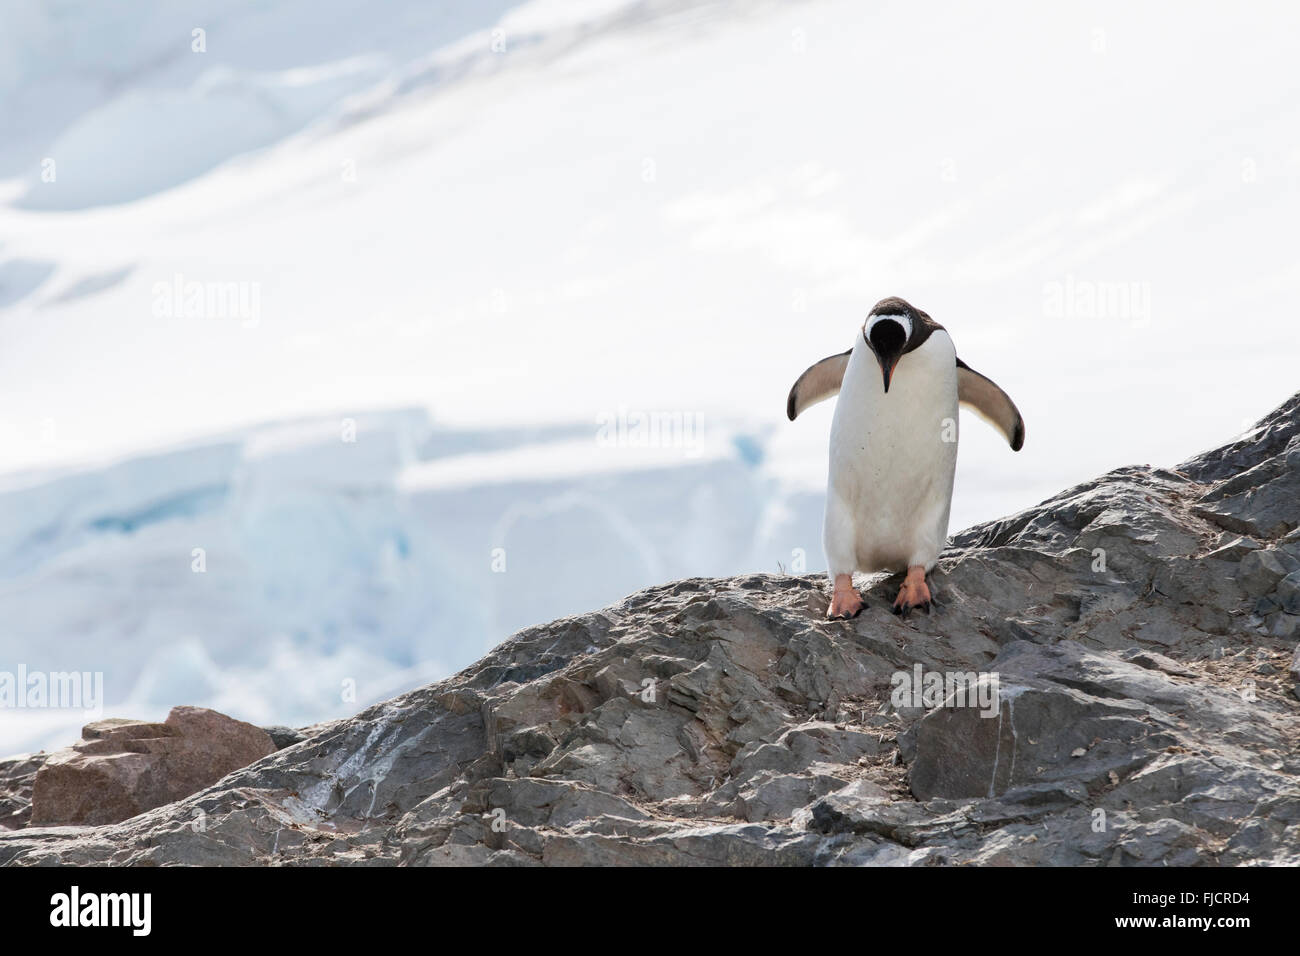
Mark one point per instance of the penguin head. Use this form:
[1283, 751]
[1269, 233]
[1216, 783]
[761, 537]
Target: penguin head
[888, 332]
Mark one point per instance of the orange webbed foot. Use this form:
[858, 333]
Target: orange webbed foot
[914, 593]
[846, 602]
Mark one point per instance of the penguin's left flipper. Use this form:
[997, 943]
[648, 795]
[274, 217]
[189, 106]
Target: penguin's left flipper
[982, 396]
[818, 383]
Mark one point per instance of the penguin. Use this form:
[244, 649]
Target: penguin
[893, 448]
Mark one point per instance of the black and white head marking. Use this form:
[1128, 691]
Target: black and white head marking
[894, 328]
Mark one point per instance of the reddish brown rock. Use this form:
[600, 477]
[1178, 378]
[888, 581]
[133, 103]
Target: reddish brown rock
[123, 767]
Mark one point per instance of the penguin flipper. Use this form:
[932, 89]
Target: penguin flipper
[818, 383]
[982, 396]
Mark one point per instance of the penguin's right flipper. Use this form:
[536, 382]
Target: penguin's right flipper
[818, 383]
[982, 396]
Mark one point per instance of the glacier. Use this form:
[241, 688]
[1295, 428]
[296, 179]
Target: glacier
[298, 571]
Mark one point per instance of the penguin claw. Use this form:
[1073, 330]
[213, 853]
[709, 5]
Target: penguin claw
[905, 608]
[914, 594]
[844, 615]
[847, 607]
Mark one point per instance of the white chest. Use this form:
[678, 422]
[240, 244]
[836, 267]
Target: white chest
[893, 455]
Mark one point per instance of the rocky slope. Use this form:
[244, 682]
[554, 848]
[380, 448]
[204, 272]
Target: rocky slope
[1139, 631]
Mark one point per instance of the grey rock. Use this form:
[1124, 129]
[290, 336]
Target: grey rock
[1154, 661]
[1283, 625]
[1231, 547]
[773, 796]
[17, 779]
[284, 736]
[1134, 628]
[1260, 571]
[1288, 593]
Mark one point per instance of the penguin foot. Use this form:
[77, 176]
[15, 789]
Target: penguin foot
[846, 602]
[914, 594]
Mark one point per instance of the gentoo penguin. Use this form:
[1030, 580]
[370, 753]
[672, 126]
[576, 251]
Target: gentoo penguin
[894, 448]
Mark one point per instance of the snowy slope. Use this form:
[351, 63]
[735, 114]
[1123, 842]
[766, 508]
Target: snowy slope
[518, 220]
